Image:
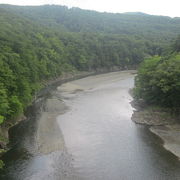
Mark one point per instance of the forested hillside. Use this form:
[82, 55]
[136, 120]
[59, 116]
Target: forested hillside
[40, 43]
[77, 20]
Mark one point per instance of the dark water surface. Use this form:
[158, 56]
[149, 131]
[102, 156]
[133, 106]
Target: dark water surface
[102, 142]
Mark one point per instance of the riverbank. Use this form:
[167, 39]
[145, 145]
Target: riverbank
[45, 139]
[162, 123]
[47, 87]
[170, 134]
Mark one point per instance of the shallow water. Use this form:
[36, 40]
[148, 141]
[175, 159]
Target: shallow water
[101, 141]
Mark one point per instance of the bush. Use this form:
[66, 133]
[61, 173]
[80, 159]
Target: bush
[158, 81]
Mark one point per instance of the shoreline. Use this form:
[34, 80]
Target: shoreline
[161, 123]
[170, 134]
[41, 96]
[38, 101]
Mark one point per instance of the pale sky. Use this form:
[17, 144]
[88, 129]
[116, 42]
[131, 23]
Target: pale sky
[155, 7]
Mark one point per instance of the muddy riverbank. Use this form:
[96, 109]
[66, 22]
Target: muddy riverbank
[162, 123]
[170, 134]
[38, 100]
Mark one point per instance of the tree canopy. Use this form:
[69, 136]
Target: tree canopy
[158, 79]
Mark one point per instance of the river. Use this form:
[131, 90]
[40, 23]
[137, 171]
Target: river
[85, 132]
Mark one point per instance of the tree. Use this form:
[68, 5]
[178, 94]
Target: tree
[16, 107]
[158, 82]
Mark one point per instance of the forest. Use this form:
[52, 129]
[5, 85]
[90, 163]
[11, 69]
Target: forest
[158, 80]
[41, 43]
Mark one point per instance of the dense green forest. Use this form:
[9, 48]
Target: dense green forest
[41, 43]
[154, 28]
[158, 79]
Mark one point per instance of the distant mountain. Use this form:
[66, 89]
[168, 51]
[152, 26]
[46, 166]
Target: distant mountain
[137, 13]
[156, 28]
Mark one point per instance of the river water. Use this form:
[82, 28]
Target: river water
[100, 140]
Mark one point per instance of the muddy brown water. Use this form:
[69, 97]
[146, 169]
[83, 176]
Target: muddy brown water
[100, 142]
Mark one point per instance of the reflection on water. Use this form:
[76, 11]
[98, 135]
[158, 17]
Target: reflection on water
[102, 141]
[105, 143]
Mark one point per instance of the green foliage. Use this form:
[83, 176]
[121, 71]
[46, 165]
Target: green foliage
[15, 106]
[145, 74]
[158, 82]
[4, 103]
[176, 45]
[154, 28]
[1, 119]
[1, 164]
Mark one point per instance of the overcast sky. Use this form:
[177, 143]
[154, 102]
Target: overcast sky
[156, 7]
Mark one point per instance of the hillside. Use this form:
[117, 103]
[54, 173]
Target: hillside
[78, 20]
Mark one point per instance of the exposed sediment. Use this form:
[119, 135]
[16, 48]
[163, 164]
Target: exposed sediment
[161, 123]
[170, 134]
[49, 137]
